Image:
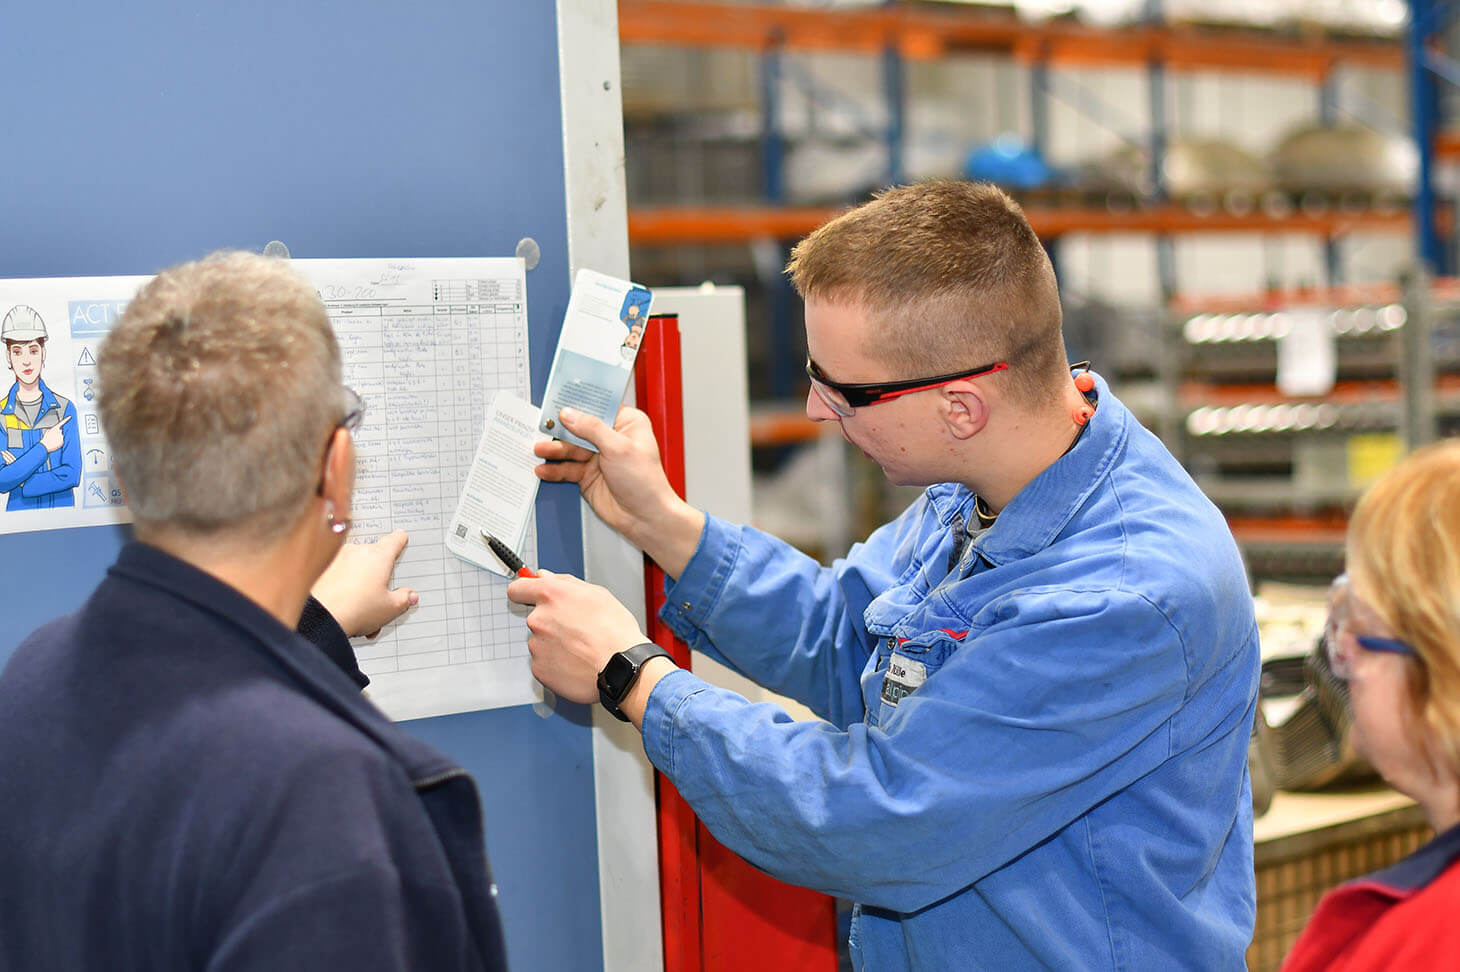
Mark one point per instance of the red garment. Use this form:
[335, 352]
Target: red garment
[1405, 917]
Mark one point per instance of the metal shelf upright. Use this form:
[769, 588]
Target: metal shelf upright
[1427, 66]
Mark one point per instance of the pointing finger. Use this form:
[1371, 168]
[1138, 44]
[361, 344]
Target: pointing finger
[525, 590]
[395, 542]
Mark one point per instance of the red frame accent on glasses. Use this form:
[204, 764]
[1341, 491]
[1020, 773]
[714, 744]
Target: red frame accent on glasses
[871, 393]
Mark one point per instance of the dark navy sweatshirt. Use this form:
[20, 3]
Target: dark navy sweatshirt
[187, 784]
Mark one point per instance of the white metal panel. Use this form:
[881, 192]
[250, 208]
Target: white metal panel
[597, 208]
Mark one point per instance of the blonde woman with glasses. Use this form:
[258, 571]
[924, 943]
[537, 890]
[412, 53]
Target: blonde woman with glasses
[1394, 635]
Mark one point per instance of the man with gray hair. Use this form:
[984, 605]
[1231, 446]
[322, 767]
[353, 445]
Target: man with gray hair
[186, 782]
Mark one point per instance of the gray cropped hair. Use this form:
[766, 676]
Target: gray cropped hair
[219, 389]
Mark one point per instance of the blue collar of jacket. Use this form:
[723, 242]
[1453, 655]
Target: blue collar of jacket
[302, 664]
[1415, 872]
[1044, 507]
[48, 398]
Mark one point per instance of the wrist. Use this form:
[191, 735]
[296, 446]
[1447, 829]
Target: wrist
[671, 537]
[623, 672]
[637, 701]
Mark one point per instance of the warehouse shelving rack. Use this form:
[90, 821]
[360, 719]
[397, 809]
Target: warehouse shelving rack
[900, 30]
[1287, 469]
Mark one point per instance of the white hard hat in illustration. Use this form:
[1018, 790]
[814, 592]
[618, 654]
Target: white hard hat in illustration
[22, 324]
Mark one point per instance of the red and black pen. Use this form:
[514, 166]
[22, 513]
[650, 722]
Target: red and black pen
[505, 555]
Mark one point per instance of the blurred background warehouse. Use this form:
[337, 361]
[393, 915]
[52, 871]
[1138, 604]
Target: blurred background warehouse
[1249, 204]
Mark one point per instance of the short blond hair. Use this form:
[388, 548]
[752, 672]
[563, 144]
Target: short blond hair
[957, 276]
[1405, 533]
[219, 388]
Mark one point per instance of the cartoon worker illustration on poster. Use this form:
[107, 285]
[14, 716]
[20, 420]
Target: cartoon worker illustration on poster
[40, 452]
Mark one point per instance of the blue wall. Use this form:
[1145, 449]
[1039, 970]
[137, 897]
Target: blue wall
[143, 134]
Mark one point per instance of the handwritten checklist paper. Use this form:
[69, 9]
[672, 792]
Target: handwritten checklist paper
[427, 344]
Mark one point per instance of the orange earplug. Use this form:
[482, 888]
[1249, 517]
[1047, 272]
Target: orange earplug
[1085, 382]
[1082, 414]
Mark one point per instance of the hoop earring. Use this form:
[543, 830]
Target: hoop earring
[336, 526]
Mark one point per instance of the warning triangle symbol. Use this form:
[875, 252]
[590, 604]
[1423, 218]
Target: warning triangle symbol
[86, 358]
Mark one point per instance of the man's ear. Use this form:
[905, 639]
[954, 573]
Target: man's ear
[964, 410]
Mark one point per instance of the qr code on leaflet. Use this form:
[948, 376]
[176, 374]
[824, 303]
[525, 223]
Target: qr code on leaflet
[461, 530]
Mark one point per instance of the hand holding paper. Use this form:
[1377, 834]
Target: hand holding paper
[624, 482]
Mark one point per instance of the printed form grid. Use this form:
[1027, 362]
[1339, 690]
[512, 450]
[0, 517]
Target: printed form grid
[426, 373]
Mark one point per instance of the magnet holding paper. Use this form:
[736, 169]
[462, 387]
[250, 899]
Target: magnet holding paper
[277, 249]
[548, 424]
[528, 252]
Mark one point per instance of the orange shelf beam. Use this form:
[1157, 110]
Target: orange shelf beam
[668, 225]
[1289, 529]
[1342, 295]
[1052, 222]
[1447, 145]
[1195, 394]
[783, 426]
[926, 31]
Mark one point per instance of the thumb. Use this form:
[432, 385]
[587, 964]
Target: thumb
[586, 426]
[404, 597]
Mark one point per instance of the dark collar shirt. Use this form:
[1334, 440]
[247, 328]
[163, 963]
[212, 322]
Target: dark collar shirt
[187, 784]
[1402, 917]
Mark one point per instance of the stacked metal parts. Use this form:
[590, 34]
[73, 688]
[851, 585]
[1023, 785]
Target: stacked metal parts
[1284, 457]
[1309, 749]
[1315, 167]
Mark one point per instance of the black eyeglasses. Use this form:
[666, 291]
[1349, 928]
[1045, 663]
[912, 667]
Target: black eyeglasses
[844, 399]
[354, 414]
[354, 410]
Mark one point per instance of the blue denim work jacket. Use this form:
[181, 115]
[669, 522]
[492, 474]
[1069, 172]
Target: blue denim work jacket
[1035, 757]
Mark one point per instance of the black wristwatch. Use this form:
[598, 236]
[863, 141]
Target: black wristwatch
[621, 672]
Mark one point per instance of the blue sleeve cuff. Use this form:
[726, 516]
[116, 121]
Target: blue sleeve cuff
[665, 702]
[691, 600]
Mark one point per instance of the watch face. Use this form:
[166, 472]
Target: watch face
[616, 677]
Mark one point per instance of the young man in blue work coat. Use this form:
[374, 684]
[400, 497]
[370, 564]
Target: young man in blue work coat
[1038, 682]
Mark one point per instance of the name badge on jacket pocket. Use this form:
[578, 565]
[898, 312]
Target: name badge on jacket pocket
[904, 675]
